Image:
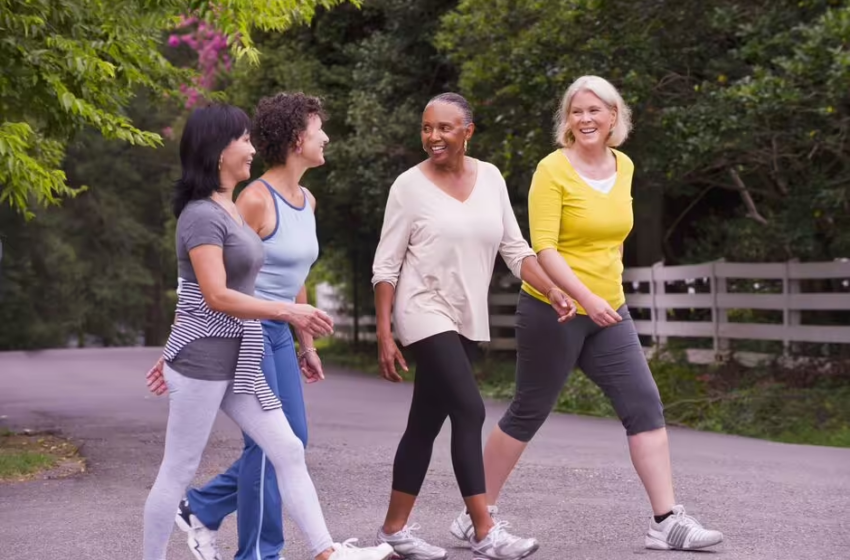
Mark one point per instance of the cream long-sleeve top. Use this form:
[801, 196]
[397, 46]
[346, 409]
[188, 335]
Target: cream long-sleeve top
[439, 253]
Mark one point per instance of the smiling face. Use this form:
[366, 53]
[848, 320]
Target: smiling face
[443, 133]
[236, 159]
[312, 142]
[590, 120]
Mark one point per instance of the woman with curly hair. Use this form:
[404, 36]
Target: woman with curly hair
[287, 133]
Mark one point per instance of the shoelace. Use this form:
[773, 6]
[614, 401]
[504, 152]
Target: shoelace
[407, 533]
[499, 534]
[685, 519]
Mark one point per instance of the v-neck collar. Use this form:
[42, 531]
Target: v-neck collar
[577, 176]
[457, 200]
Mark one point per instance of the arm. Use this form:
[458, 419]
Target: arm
[386, 267]
[208, 264]
[523, 263]
[252, 204]
[305, 339]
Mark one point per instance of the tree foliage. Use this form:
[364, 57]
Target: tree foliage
[72, 64]
[741, 109]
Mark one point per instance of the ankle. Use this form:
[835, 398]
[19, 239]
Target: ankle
[325, 555]
[392, 528]
[482, 530]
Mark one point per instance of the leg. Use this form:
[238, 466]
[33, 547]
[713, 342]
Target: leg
[259, 518]
[546, 355]
[193, 405]
[613, 358]
[413, 455]
[285, 451]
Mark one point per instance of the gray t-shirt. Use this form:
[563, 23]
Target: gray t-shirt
[205, 222]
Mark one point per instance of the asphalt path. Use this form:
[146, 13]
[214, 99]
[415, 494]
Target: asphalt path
[574, 490]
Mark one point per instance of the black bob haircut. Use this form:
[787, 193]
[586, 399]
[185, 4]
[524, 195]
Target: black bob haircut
[208, 132]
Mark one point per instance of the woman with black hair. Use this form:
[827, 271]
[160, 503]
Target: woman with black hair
[213, 355]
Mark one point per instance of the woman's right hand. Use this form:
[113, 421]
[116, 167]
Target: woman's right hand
[388, 355]
[307, 318]
[600, 311]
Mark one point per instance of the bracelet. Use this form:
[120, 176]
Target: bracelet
[550, 291]
[306, 351]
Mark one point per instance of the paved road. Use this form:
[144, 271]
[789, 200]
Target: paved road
[575, 489]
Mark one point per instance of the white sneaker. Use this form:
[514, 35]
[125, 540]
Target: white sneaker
[201, 540]
[680, 531]
[408, 547]
[347, 551]
[462, 527]
[501, 545]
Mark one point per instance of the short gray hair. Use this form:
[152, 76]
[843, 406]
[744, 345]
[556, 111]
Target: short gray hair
[604, 90]
[458, 101]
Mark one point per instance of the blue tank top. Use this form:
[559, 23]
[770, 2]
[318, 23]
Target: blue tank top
[290, 250]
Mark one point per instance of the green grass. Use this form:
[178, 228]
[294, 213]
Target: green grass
[14, 463]
[802, 405]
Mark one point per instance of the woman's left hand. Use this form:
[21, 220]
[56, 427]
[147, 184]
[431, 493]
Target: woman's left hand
[156, 380]
[311, 367]
[562, 304]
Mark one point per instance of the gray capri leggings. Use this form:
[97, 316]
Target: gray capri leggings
[548, 351]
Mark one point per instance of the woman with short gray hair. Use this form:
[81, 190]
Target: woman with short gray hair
[580, 213]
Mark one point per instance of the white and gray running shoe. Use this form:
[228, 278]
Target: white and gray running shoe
[410, 547]
[680, 531]
[462, 527]
[501, 545]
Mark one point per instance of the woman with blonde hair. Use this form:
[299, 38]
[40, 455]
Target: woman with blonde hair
[580, 213]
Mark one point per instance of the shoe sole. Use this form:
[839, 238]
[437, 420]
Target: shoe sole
[526, 554]
[653, 543]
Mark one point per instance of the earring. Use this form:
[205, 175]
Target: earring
[219, 163]
[465, 145]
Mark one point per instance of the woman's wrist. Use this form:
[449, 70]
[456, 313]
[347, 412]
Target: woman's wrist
[306, 351]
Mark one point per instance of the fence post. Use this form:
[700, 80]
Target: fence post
[790, 317]
[659, 315]
[718, 314]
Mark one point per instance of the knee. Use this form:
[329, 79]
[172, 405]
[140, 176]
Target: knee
[523, 419]
[288, 451]
[470, 416]
[644, 412]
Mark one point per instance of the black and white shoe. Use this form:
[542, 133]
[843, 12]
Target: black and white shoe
[201, 540]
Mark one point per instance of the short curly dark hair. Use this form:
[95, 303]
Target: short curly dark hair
[278, 120]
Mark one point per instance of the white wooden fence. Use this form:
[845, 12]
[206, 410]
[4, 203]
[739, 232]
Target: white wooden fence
[713, 287]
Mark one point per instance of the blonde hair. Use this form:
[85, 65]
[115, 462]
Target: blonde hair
[609, 95]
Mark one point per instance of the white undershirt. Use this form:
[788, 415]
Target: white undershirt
[601, 185]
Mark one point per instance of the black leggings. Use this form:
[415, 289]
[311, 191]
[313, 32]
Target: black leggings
[444, 387]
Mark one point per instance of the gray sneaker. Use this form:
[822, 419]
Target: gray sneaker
[501, 545]
[462, 527]
[409, 547]
[680, 531]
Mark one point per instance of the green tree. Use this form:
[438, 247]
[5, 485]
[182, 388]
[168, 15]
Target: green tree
[741, 111]
[375, 68]
[72, 64]
[99, 268]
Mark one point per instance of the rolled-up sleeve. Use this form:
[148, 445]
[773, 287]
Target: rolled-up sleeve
[395, 236]
[545, 206]
[513, 247]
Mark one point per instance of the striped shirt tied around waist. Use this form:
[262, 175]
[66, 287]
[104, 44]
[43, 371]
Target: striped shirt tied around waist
[196, 320]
